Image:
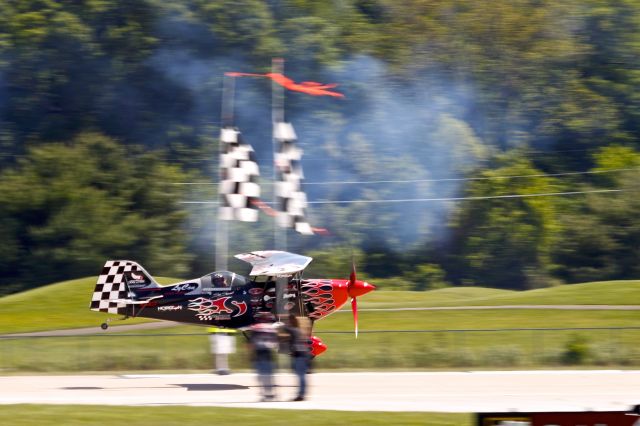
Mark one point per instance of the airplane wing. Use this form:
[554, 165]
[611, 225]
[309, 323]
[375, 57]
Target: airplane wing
[273, 262]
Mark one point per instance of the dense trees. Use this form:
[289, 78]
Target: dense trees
[600, 233]
[506, 242]
[104, 104]
[69, 207]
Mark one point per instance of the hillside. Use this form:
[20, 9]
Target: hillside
[56, 306]
[66, 304]
[596, 293]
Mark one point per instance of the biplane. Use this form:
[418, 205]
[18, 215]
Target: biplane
[275, 285]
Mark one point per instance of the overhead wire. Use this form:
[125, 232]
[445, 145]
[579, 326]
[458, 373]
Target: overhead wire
[410, 200]
[365, 182]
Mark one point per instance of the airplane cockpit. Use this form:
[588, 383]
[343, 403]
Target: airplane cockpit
[222, 280]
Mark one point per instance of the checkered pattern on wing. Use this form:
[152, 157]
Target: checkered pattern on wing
[239, 179]
[111, 286]
[291, 199]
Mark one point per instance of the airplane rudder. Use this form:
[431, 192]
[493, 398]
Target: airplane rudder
[112, 287]
[138, 277]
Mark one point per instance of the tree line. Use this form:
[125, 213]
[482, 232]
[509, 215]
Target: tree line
[108, 107]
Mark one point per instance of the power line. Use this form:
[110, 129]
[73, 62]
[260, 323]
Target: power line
[488, 197]
[364, 182]
[532, 152]
[413, 200]
[473, 178]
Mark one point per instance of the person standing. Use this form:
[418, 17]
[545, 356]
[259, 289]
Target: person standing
[299, 350]
[223, 343]
[263, 341]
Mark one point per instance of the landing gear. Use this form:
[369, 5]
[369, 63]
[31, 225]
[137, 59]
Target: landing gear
[105, 324]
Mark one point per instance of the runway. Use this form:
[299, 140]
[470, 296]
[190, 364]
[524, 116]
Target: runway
[487, 391]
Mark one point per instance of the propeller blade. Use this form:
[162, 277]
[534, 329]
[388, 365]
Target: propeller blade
[354, 301]
[354, 309]
[352, 277]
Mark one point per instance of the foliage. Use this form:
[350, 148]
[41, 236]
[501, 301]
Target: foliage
[335, 263]
[505, 241]
[577, 350]
[436, 93]
[600, 235]
[68, 208]
[426, 276]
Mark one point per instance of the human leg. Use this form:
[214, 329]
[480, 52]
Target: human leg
[300, 366]
[222, 364]
[264, 367]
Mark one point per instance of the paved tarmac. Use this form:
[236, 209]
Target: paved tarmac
[523, 391]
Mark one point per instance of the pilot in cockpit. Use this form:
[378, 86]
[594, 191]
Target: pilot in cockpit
[218, 281]
[223, 280]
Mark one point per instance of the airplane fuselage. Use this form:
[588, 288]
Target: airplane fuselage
[193, 302]
[225, 299]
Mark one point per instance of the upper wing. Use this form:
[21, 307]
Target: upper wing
[273, 262]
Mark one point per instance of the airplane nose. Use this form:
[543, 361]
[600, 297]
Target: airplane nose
[360, 288]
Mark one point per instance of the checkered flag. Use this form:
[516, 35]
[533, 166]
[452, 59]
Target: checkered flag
[292, 200]
[111, 289]
[239, 189]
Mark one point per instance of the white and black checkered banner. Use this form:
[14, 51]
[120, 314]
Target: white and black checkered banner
[292, 201]
[239, 175]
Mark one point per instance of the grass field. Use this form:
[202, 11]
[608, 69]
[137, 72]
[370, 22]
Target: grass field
[430, 346]
[388, 339]
[70, 415]
[66, 305]
[597, 293]
[54, 307]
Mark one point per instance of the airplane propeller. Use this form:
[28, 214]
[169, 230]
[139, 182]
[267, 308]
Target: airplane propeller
[356, 288]
[354, 300]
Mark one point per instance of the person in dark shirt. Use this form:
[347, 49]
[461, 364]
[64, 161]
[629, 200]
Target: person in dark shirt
[300, 354]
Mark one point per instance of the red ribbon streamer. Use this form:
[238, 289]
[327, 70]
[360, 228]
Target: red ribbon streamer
[309, 87]
[271, 212]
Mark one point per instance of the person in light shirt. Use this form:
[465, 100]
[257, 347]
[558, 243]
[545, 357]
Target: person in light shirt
[223, 343]
[263, 342]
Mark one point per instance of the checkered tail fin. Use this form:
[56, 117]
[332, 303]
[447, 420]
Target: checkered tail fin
[117, 284]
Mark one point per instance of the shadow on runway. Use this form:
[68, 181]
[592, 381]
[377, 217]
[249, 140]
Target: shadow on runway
[82, 388]
[211, 387]
[188, 386]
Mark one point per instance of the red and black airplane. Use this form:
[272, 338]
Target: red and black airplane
[226, 299]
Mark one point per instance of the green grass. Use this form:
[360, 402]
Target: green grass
[479, 319]
[500, 349]
[452, 296]
[72, 415]
[54, 307]
[66, 305]
[596, 293]
[187, 347]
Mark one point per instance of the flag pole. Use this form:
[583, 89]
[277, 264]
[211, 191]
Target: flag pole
[277, 116]
[222, 226]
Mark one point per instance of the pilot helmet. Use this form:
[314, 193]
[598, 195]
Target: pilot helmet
[218, 280]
